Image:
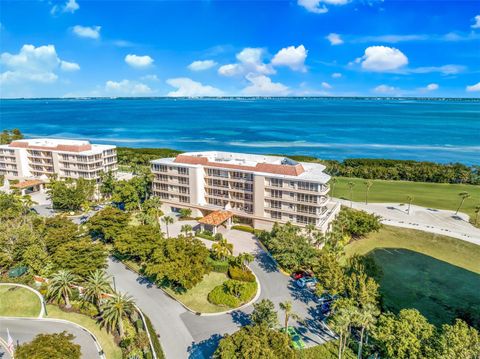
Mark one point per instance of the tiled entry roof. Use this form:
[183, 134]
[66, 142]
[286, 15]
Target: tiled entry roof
[216, 218]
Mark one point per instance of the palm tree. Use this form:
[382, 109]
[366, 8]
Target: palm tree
[60, 286]
[477, 211]
[244, 259]
[365, 319]
[97, 283]
[222, 248]
[350, 186]
[187, 229]
[343, 316]
[368, 184]
[289, 314]
[463, 196]
[410, 199]
[116, 307]
[333, 182]
[167, 220]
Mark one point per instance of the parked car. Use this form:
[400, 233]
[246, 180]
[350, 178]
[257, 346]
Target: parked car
[326, 309]
[297, 341]
[326, 298]
[308, 282]
[301, 274]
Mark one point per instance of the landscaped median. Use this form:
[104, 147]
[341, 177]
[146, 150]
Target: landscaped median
[17, 301]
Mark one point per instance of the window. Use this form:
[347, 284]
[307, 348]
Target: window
[276, 182]
[276, 204]
[276, 193]
[182, 171]
[276, 215]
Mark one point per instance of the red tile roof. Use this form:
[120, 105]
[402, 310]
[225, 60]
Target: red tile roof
[59, 147]
[289, 170]
[26, 184]
[216, 218]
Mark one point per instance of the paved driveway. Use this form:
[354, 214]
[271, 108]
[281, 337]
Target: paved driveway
[186, 335]
[24, 330]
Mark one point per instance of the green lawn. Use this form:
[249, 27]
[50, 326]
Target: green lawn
[18, 302]
[433, 195]
[196, 298]
[451, 250]
[329, 350]
[112, 351]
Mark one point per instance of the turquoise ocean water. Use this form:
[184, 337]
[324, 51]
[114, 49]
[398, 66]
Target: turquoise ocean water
[441, 131]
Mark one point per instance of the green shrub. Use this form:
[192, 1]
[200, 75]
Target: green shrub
[85, 308]
[205, 235]
[218, 265]
[232, 293]
[240, 274]
[244, 228]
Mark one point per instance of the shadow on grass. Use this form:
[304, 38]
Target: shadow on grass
[205, 348]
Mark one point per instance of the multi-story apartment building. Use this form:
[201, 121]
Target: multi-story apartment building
[259, 189]
[36, 158]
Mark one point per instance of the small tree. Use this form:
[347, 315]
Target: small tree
[333, 182]
[368, 184]
[60, 286]
[97, 284]
[116, 308]
[463, 196]
[187, 229]
[185, 212]
[167, 220]
[410, 199]
[477, 212]
[350, 186]
[222, 249]
[289, 313]
[50, 346]
[264, 314]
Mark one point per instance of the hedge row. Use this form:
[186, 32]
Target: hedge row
[240, 274]
[218, 266]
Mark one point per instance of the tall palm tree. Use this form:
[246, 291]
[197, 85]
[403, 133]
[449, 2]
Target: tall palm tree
[289, 313]
[97, 283]
[463, 196]
[60, 286]
[333, 182]
[368, 184]
[222, 248]
[410, 199]
[341, 322]
[350, 186]
[187, 229]
[167, 220]
[477, 212]
[365, 318]
[117, 307]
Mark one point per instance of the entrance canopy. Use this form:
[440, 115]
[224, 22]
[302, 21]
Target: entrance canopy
[214, 219]
[27, 184]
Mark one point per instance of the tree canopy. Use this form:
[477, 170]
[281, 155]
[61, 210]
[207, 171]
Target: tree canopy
[50, 346]
[108, 223]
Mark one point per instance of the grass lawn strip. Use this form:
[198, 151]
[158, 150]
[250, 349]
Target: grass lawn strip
[105, 339]
[430, 195]
[18, 302]
[451, 250]
[196, 298]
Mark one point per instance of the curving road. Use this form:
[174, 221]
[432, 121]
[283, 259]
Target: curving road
[186, 335]
[25, 329]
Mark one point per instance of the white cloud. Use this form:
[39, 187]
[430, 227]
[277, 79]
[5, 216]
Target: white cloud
[445, 69]
[127, 88]
[262, 85]
[201, 65]
[326, 85]
[139, 62]
[334, 39]
[293, 57]
[336, 75]
[473, 88]
[230, 70]
[186, 87]
[318, 6]
[70, 6]
[382, 59]
[432, 87]
[385, 89]
[34, 64]
[152, 78]
[69, 66]
[476, 25]
[250, 60]
[92, 32]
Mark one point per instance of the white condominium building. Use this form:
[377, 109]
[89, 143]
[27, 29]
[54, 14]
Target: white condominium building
[64, 158]
[260, 190]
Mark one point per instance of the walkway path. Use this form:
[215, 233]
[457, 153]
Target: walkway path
[437, 221]
[186, 335]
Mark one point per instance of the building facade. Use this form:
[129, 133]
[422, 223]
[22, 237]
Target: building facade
[42, 157]
[258, 189]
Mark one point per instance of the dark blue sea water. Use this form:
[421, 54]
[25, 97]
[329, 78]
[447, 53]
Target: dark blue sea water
[441, 131]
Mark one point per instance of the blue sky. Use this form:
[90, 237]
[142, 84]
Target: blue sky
[266, 48]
